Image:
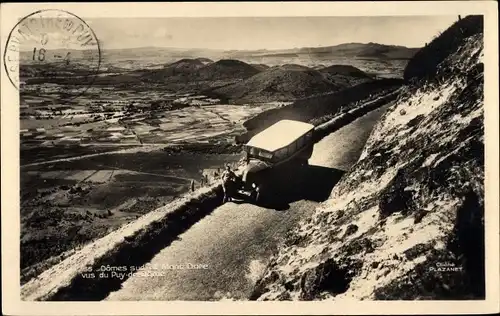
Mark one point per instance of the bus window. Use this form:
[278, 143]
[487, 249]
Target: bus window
[300, 142]
[265, 154]
[280, 154]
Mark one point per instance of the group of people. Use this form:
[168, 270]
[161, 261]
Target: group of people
[228, 178]
[203, 181]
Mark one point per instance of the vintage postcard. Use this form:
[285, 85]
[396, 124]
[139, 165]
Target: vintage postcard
[250, 158]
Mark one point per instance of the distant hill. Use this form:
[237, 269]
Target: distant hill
[160, 55]
[360, 50]
[285, 83]
[184, 65]
[226, 69]
[293, 67]
[318, 67]
[372, 50]
[260, 67]
[345, 74]
[205, 61]
[346, 70]
[198, 75]
[143, 57]
[180, 70]
[199, 70]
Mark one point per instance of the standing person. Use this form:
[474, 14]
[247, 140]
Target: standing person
[192, 185]
[205, 178]
[227, 177]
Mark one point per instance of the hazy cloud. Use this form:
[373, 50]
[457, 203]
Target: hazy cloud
[162, 33]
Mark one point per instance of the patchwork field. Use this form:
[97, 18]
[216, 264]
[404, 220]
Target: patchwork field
[162, 127]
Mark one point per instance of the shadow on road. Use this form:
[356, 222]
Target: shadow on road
[318, 183]
[313, 183]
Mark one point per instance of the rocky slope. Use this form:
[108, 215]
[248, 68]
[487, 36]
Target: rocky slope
[406, 222]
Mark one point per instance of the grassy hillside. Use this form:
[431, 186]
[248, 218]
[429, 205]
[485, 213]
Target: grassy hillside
[191, 70]
[345, 70]
[291, 82]
[260, 67]
[407, 221]
[183, 69]
[345, 75]
[279, 84]
[226, 69]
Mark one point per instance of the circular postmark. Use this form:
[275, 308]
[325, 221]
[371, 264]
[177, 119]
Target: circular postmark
[53, 52]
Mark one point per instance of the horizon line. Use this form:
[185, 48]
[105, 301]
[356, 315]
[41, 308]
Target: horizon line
[260, 49]
[232, 50]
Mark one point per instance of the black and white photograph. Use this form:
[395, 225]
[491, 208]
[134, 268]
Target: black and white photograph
[321, 158]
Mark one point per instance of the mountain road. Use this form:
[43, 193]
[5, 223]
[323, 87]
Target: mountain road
[223, 255]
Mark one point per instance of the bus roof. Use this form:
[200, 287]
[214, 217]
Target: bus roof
[279, 135]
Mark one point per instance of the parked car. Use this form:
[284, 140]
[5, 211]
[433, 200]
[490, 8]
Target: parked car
[274, 156]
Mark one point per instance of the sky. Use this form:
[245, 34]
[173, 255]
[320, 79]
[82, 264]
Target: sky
[266, 32]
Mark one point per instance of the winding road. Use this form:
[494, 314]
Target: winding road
[223, 255]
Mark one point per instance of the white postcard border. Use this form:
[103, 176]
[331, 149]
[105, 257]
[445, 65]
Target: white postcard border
[12, 305]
